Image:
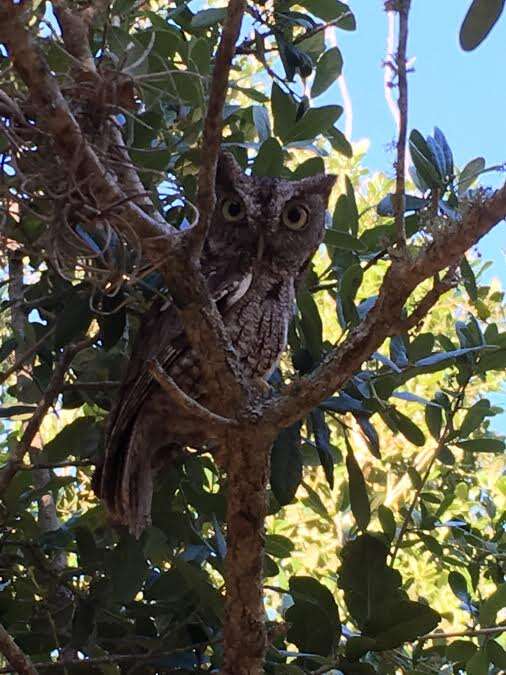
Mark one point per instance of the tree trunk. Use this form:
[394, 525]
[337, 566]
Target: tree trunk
[244, 631]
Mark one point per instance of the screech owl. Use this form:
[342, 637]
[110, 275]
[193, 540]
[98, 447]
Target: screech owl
[263, 234]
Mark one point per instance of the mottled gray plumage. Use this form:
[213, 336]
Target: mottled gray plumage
[263, 233]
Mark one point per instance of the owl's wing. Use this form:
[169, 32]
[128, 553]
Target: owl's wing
[161, 336]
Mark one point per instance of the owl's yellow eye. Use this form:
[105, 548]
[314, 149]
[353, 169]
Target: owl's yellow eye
[233, 209]
[295, 216]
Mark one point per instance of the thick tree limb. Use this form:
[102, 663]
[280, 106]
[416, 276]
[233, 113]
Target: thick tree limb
[403, 276]
[244, 630]
[19, 661]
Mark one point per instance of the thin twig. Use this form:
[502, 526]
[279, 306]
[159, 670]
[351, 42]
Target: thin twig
[441, 444]
[52, 391]
[91, 386]
[492, 630]
[213, 123]
[25, 356]
[57, 465]
[400, 164]
[111, 658]
[439, 288]
[186, 403]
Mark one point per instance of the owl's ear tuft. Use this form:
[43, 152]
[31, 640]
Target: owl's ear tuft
[228, 170]
[321, 184]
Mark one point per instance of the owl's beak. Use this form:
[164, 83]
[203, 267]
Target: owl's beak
[260, 246]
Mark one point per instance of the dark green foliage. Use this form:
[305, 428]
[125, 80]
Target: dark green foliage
[334, 474]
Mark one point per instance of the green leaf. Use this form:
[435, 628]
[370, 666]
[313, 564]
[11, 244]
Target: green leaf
[470, 174]
[314, 617]
[313, 502]
[458, 584]
[460, 650]
[81, 438]
[208, 17]
[339, 239]
[328, 69]
[474, 417]
[483, 445]
[469, 279]
[158, 159]
[14, 410]
[387, 520]
[371, 435]
[127, 568]
[478, 664]
[434, 420]
[330, 10]
[284, 111]
[409, 429]
[423, 159]
[411, 203]
[352, 205]
[262, 122]
[269, 161]
[479, 21]
[492, 605]
[350, 283]
[314, 122]
[496, 654]
[279, 546]
[322, 439]
[447, 152]
[311, 167]
[359, 500]
[73, 320]
[440, 357]
[339, 142]
[402, 621]
[311, 322]
[200, 54]
[286, 464]
[83, 622]
[366, 579]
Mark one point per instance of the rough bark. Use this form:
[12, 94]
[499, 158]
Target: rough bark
[248, 472]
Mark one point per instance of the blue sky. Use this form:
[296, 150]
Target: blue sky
[463, 93]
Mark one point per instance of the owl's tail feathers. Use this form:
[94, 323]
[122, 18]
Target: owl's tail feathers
[124, 481]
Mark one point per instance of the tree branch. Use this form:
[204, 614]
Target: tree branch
[213, 123]
[400, 164]
[72, 147]
[403, 276]
[186, 404]
[19, 661]
[51, 393]
[492, 630]
[200, 317]
[439, 288]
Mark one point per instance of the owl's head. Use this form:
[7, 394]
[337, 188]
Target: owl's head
[271, 222]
